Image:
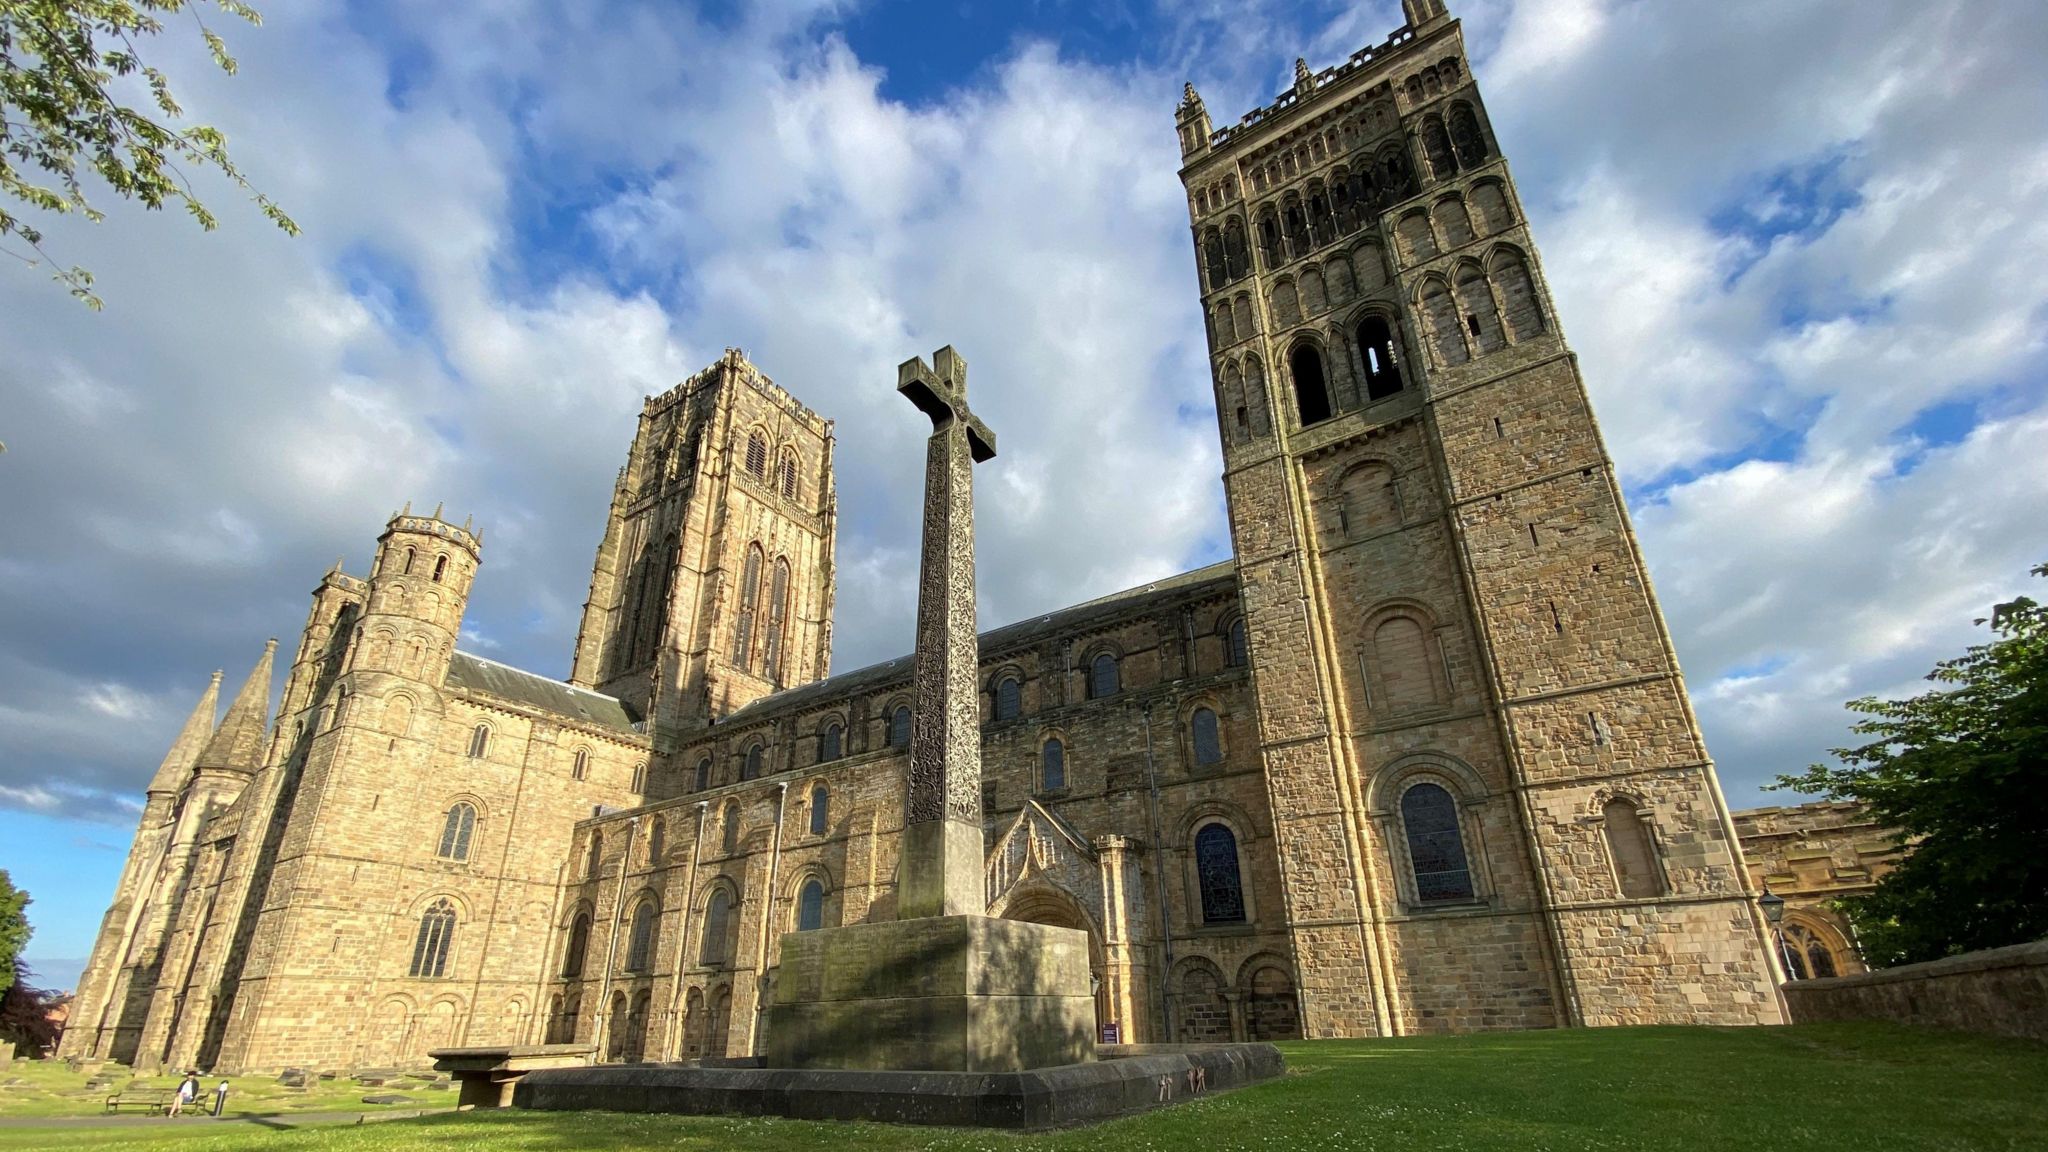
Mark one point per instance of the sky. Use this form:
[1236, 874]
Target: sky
[1798, 248]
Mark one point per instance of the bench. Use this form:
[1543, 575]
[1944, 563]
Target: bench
[152, 1101]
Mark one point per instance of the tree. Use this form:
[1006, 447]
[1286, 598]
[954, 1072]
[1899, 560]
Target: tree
[1962, 773]
[25, 1014]
[14, 929]
[58, 59]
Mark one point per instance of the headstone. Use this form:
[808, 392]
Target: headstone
[294, 1077]
[944, 987]
[387, 1098]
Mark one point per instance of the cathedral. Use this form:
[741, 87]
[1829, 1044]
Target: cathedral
[1417, 759]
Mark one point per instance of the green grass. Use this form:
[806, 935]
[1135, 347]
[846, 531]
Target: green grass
[48, 1088]
[1865, 1087]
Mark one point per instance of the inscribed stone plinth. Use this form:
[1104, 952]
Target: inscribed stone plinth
[938, 993]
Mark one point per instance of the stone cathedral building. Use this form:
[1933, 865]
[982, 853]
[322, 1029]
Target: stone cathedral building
[1417, 759]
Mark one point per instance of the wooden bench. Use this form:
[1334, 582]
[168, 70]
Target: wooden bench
[151, 1100]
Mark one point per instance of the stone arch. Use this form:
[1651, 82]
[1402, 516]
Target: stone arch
[1272, 1011]
[1195, 741]
[1243, 833]
[1255, 397]
[696, 1024]
[1439, 311]
[1454, 221]
[1386, 793]
[1230, 405]
[1315, 293]
[1479, 309]
[1369, 263]
[720, 1030]
[1367, 498]
[1507, 269]
[1405, 660]
[1200, 1012]
[398, 713]
[388, 1032]
[1418, 238]
[1040, 901]
[1491, 199]
[1309, 367]
[1819, 945]
[1286, 303]
[792, 889]
[1628, 832]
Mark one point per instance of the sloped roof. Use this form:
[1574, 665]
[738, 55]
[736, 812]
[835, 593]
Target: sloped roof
[472, 673]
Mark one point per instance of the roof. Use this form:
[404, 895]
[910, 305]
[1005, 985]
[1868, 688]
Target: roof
[471, 673]
[990, 642]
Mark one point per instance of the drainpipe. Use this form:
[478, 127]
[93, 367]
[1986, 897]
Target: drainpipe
[768, 915]
[611, 946]
[1159, 882]
[675, 1005]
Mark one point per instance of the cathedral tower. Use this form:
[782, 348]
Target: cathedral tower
[713, 583]
[1493, 805]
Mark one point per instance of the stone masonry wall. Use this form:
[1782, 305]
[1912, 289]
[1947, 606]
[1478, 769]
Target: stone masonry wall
[2000, 990]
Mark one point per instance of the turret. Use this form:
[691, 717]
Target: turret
[1193, 121]
[419, 586]
[1420, 12]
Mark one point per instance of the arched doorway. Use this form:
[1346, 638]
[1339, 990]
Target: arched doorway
[1047, 905]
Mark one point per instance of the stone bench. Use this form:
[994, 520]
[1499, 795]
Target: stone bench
[488, 1075]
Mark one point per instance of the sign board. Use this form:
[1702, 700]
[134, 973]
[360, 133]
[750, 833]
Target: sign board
[1112, 1033]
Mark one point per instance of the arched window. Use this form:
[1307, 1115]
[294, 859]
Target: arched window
[718, 928]
[1216, 874]
[729, 829]
[1009, 698]
[1510, 275]
[579, 945]
[1821, 960]
[1311, 393]
[703, 773]
[595, 859]
[406, 568]
[1382, 364]
[788, 471]
[757, 454]
[1629, 847]
[1455, 222]
[640, 949]
[639, 782]
[1482, 319]
[1494, 212]
[1368, 499]
[1236, 258]
[1436, 144]
[750, 590]
[436, 937]
[1105, 679]
[455, 833]
[778, 614]
[750, 767]
[440, 568]
[1235, 652]
[479, 741]
[1212, 259]
[810, 906]
[821, 809]
[1436, 846]
[1446, 331]
[340, 714]
[1418, 241]
[1207, 737]
[899, 727]
[657, 842]
[580, 767]
[1052, 766]
[1466, 138]
[831, 741]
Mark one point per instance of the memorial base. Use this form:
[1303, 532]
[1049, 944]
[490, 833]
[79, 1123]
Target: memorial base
[1124, 1081]
[939, 993]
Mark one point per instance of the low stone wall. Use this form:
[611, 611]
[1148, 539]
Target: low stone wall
[2001, 990]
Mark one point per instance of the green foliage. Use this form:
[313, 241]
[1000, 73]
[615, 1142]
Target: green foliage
[25, 1022]
[1962, 773]
[14, 929]
[58, 61]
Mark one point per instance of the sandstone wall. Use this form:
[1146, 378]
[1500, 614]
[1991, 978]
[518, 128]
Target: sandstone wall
[2001, 990]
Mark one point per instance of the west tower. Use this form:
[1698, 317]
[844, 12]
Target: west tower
[713, 583]
[1493, 805]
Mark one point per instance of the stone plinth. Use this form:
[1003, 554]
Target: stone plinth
[488, 1075]
[939, 993]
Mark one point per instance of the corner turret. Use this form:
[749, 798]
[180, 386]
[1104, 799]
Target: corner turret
[1193, 121]
[419, 588]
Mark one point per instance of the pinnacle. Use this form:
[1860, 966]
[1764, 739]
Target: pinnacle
[171, 774]
[237, 745]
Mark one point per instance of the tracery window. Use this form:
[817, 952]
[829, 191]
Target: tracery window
[1052, 766]
[1009, 698]
[1207, 737]
[640, 950]
[1217, 876]
[810, 906]
[750, 591]
[899, 727]
[436, 937]
[1104, 677]
[788, 471]
[831, 741]
[821, 810]
[479, 741]
[1436, 845]
[757, 454]
[778, 614]
[455, 833]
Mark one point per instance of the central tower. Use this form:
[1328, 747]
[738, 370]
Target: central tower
[1493, 805]
[713, 584]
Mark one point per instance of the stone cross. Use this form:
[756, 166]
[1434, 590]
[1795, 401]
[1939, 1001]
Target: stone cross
[941, 864]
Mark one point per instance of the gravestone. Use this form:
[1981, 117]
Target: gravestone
[944, 987]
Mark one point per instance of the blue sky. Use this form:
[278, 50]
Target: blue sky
[1798, 248]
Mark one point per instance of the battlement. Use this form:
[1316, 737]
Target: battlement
[462, 534]
[1365, 59]
[734, 365]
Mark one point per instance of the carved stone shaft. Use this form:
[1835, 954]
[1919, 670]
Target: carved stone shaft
[941, 870]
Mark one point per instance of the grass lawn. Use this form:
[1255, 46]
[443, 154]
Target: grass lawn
[1862, 1087]
[48, 1088]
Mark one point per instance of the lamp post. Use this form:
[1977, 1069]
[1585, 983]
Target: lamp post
[1773, 906]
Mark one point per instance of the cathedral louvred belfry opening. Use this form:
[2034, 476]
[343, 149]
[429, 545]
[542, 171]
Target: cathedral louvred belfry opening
[1416, 758]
